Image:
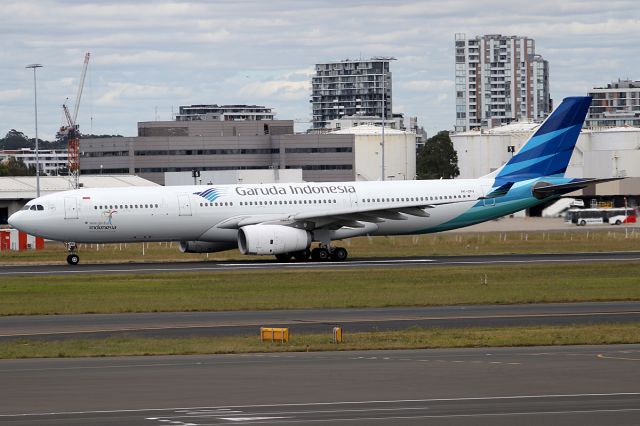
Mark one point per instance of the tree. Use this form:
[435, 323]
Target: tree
[13, 167]
[437, 158]
[15, 140]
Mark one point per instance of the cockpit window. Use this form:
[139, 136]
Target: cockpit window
[34, 207]
[40, 207]
[26, 207]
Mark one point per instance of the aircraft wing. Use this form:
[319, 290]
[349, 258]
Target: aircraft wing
[341, 217]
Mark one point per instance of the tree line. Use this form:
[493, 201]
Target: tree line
[16, 140]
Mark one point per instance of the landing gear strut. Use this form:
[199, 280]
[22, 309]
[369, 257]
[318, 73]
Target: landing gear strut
[72, 258]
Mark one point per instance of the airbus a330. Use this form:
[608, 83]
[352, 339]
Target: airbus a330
[287, 220]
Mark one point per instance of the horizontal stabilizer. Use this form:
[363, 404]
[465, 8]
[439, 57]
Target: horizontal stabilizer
[544, 189]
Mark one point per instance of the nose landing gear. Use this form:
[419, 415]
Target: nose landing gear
[72, 258]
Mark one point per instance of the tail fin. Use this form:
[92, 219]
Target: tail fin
[548, 151]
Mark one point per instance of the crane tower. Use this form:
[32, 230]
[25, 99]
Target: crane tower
[71, 132]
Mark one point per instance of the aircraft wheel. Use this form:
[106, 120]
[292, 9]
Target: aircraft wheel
[618, 222]
[582, 223]
[284, 257]
[73, 259]
[302, 255]
[339, 254]
[320, 254]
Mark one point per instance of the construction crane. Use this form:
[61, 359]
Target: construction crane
[71, 132]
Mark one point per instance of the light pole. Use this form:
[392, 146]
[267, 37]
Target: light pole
[384, 109]
[35, 105]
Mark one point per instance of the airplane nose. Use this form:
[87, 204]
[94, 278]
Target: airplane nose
[14, 220]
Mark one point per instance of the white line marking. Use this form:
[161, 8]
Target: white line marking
[474, 398]
[354, 263]
[250, 419]
[602, 356]
[445, 416]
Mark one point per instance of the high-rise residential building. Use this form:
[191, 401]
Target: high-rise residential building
[616, 105]
[224, 113]
[499, 79]
[351, 88]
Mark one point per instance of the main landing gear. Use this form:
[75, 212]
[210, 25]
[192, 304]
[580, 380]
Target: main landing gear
[318, 254]
[72, 258]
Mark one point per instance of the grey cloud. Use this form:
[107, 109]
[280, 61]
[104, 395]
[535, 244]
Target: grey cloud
[161, 53]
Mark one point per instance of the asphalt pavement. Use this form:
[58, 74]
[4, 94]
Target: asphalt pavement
[573, 385]
[189, 324]
[269, 264]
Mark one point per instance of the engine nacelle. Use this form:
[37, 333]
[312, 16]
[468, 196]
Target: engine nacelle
[272, 239]
[205, 246]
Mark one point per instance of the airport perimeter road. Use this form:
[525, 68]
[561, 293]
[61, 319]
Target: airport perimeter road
[261, 265]
[589, 385]
[186, 324]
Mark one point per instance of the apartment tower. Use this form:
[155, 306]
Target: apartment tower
[351, 88]
[616, 105]
[499, 79]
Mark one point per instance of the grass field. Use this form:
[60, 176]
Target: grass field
[240, 290]
[289, 289]
[462, 243]
[416, 338]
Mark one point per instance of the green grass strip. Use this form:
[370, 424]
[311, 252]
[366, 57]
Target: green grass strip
[218, 291]
[414, 338]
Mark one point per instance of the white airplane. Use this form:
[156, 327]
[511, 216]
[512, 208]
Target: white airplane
[286, 219]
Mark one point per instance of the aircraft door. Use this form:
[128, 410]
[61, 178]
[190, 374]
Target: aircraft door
[70, 208]
[184, 205]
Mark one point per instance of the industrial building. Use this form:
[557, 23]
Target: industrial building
[351, 88]
[499, 79]
[399, 152]
[616, 105]
[212, 145]
[163, 147]
[233, 177]
[613, 152]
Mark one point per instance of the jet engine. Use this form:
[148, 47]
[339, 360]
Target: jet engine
[272, 239]
[205, 246]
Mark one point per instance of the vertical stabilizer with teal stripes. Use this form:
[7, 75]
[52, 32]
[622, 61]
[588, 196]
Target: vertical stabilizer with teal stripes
[548, 151]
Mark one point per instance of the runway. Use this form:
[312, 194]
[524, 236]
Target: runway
[186, 324]
[587, 385]
[262, 265]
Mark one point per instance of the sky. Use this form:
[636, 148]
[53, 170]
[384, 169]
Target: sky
[149, 57]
